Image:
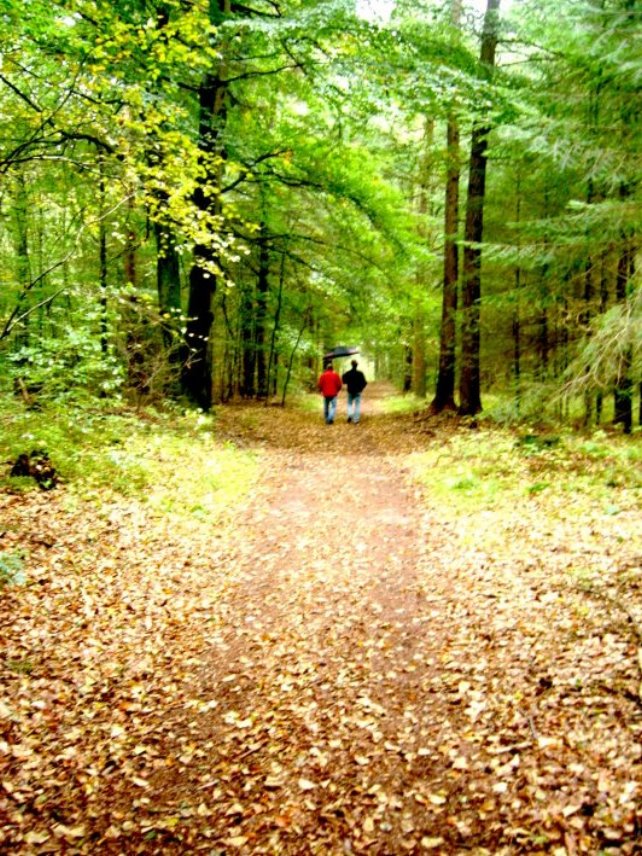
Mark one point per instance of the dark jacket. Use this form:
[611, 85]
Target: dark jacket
[355, 381]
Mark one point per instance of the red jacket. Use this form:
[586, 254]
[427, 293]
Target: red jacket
[329, 383]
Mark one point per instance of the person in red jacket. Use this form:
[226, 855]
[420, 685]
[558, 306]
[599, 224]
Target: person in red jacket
[329, 387]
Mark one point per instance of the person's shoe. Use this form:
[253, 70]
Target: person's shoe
[349, 418]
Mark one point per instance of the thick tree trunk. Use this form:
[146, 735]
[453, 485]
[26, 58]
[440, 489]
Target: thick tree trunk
[212, 94]
[470, 380]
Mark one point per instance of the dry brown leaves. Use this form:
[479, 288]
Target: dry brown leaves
[337, 669]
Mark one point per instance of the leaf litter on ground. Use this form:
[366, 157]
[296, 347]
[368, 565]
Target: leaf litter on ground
[365, 654]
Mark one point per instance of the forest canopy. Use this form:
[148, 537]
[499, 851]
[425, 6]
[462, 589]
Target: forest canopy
[199, 199]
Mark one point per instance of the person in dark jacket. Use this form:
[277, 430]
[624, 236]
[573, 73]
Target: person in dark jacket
[329, 387]
[356, 383]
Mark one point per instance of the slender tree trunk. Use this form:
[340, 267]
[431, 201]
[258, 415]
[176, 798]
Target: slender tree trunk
[272, 359]
[288, 374]
[407, 368]
[543, 344]
[470, 379]
[445, 391]
[419, 353]
[248, 342]
[168, 279]
[22, 254]
[604, 305]
[623, 393]
[516, 322]
[262, 287]
[517, 342]
[129, 261]
[424, 188]
[102, 256]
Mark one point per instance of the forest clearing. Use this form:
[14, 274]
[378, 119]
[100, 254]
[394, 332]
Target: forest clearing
[362, 654]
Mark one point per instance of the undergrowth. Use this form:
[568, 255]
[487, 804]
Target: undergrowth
[170, 460]
[497, 469]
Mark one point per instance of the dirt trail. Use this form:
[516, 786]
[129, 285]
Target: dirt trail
[382, 686]
[345, 673]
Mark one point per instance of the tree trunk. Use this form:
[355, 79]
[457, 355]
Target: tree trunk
[212, 97]
[262, 287]
[517, 343]
[516, 323]
[623, 393]
[21, 250]
[543, 344]
[272, 360]
[102, 255]
[424, 189]
[247, 342]
[168, 280]
[419, 353]
[407, 373]
[469, 381]
[445, 391]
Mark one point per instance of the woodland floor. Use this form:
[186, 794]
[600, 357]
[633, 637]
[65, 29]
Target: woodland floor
[339, 667]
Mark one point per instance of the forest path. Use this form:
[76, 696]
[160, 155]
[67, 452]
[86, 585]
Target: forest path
[338, 668]
[381, 683]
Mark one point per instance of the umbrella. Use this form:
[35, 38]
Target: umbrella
[340, 351]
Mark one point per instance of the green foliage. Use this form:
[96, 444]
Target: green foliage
[11, 568]
[98, 452]
[497, 470]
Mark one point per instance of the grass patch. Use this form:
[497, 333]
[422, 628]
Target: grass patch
[170, 461]
[403, 403]
[496, 470]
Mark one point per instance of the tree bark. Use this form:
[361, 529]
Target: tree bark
[102, 255]
[247, 342]
[212, 97]
[445, 390]
[470, 379]
[623, 393]
[424, 189]
[168, 280]
[262, 287]
[21, 250]
[273, 357]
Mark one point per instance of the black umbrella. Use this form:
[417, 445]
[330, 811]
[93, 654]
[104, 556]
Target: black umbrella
[340, 351]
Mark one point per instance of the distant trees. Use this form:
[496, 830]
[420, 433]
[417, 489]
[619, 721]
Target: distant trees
[197, 199]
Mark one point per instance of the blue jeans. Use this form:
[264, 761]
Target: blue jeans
[329, 409]
[354, 406]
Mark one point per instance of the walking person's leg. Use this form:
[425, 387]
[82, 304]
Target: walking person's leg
[326, 409]
[350, 406]
[332, 409]
[356, 413]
